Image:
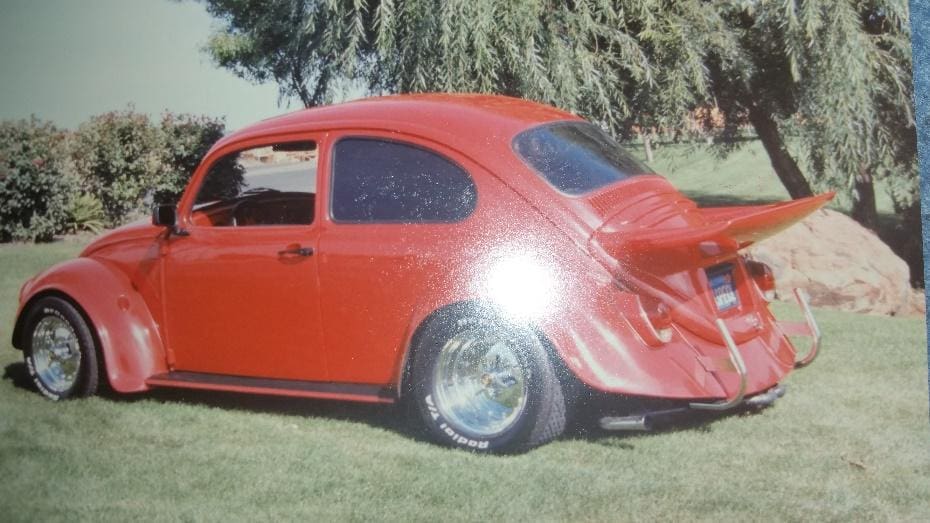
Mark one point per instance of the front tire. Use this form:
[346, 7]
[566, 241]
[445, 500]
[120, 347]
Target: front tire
[59, 350]
[480, 384]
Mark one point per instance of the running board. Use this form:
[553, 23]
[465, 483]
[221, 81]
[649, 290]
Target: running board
[293, 388]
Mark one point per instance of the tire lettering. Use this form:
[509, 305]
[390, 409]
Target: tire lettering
[462, 440]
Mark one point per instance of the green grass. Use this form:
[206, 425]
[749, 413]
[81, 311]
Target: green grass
[848, 441]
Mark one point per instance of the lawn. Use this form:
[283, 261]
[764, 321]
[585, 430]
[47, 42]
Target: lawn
[848, 441]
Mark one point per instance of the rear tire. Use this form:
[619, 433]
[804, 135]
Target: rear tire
[480, 384]
[59, 350]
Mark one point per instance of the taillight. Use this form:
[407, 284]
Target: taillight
[658, 318]
[764, 278]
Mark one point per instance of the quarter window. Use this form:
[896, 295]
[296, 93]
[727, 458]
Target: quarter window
[383, 181]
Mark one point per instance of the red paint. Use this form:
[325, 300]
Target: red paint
[221, 300]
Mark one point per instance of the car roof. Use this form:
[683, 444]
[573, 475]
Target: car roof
[476, 118]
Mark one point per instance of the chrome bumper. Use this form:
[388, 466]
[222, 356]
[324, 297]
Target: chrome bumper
[808, 328]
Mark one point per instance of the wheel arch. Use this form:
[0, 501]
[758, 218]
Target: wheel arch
[470, 306]
[127, 337]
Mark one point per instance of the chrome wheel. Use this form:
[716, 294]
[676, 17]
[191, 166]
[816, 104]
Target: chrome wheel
[56, 353]
[480, 383]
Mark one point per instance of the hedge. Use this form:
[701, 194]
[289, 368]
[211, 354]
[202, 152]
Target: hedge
[107, 172]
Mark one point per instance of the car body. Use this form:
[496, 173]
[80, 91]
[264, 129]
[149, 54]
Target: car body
[430, 248]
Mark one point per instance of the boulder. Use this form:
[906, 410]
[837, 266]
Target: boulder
[841, 264]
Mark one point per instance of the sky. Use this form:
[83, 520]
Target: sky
[66, 60]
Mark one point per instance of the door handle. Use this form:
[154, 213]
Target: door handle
[297, 250]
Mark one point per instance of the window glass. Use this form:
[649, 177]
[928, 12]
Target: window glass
[383, 181]
[576, 157]
[271, 185]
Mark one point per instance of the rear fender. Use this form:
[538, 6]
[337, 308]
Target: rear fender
[128, 337]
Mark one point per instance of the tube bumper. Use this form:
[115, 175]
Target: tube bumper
[808, 328]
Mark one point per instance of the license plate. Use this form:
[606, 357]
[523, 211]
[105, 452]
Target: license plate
[721, 284]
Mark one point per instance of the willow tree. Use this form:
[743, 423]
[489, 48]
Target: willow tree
[838, 73]
[835, 73]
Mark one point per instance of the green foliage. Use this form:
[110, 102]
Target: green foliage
[841, 69]
[300, 45]
[128, 162]
[116, 154]
[108, 171]
[85, 213]
[34, 189]
[836, 71]
[185, 140]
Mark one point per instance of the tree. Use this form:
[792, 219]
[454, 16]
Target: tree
[838, 72]
[833, 72]
[302, 45]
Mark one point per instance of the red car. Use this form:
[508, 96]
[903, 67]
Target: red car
[468, 255]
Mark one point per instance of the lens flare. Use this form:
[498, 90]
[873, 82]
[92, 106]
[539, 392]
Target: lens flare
[521, 285]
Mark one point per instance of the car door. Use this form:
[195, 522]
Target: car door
[241, 279]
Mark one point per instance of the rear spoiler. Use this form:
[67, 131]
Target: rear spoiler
[749, 224]
[725, 231]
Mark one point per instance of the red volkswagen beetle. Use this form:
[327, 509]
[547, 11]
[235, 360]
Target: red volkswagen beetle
[469, 255]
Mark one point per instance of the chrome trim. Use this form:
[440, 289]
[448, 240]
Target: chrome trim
[766, 398]
[632, 423]
[480, 384]
[638, 422]
[740, 367]
[804, 302]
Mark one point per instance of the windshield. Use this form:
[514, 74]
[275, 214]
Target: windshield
[576, 157]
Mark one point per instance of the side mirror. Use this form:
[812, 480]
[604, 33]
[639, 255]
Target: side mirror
[165, 215]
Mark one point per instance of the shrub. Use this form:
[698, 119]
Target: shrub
[185, 140]
[129, 163]
[116, 156]
[35, 191]
[110, 170]
[85, 213]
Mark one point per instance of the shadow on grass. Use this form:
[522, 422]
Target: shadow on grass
[585, 425]
[394, 418]
[388, 417]
[19, 376]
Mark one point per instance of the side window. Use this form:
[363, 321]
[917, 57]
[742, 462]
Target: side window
[271, 185]
[383, 181]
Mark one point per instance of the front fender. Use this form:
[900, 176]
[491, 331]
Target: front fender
[129, 338]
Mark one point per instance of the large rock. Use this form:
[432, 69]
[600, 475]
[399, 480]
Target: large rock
[841, 264]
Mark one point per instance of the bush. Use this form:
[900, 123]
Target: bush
[129, 163]
[35, 191]
[116, 155]
[113, 168]
[185, 140]
[85, 213]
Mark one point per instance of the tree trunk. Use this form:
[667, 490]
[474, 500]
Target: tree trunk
[785, 167]
[647, 145]
[863, 205]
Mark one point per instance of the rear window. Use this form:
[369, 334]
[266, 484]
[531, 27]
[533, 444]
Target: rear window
[576, 157]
